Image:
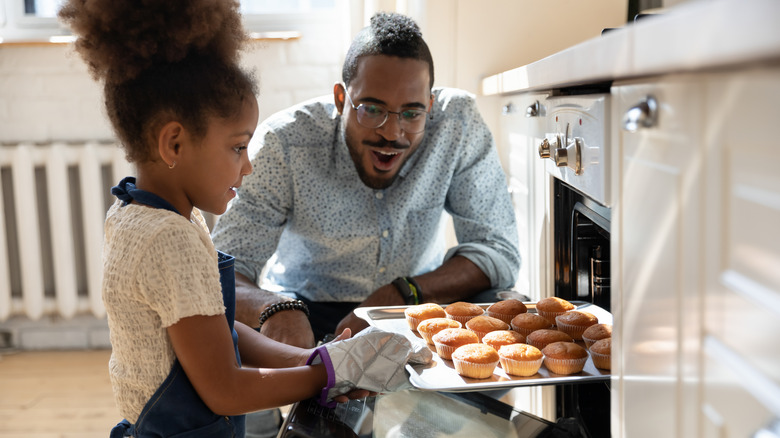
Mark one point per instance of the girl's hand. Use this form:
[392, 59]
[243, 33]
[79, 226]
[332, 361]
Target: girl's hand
[357, 393]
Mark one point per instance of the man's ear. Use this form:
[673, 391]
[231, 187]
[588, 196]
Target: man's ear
[169, 142]
[339, 96]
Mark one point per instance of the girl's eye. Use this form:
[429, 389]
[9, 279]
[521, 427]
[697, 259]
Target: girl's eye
[240, 149]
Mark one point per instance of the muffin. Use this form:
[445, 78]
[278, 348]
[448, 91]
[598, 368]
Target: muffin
[525, 323]
[596, 332]
[462, 312]
[544, 337]
[419, 313]
[430, 327]
[575, 322]
[601, 352]
[520, 359]
[506, 310]
[564, 357]
[482, 325]
[447, 340]
[553, 306]
[476, 361]
[499, 338]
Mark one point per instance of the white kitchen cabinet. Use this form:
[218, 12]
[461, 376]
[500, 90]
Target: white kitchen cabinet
[696, 257]
[656, 243]
[522, 130]
[741, 254]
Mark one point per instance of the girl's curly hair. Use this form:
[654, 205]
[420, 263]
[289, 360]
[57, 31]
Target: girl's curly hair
[161, 60]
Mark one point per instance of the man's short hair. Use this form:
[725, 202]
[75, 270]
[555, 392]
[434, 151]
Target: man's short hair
[388, 34]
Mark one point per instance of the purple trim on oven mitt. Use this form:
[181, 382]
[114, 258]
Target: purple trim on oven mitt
[322, 353]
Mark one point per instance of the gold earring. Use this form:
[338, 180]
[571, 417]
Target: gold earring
[172, 165]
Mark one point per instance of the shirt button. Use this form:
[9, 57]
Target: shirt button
[380, 195]
[382, 269]
[385, 233]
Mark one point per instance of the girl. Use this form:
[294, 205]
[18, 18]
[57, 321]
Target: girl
[185, 111]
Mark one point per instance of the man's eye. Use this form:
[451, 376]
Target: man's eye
[373, 110]
[412, 114]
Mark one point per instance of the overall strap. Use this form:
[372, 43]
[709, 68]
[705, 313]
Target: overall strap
[127, 193]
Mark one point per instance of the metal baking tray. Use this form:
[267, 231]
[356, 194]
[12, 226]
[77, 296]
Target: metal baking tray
[440, 374]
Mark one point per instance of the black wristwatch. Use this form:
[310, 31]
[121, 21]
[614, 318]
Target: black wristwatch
[409, 289]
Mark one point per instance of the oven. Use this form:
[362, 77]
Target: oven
[575, 150]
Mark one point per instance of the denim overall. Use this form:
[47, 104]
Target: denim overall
[175, 409]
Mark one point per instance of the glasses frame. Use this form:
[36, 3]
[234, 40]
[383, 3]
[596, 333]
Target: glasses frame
[401, 121]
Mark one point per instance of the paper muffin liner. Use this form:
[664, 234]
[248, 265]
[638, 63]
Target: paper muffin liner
[474, 370]
[461, 319]
[550, 316]
[506, 317]
[413, 322]
[602, 361]
[522, 368]
[524, 331]
[444, 351]
[589, 341]
[575, 331]
[565, 366]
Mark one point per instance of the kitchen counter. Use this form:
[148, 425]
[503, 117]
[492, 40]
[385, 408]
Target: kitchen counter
[700, 35]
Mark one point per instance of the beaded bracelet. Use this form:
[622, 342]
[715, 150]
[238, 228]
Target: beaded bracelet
[284, 305]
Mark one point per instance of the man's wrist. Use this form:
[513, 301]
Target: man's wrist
[409, 290]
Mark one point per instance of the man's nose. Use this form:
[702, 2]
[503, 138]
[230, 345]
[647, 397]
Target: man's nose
[391, 129]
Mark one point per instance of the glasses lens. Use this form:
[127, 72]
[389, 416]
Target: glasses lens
[413, 121]
[371, 116]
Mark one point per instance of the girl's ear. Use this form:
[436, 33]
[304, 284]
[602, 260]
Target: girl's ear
[339, 97]
[169, 143]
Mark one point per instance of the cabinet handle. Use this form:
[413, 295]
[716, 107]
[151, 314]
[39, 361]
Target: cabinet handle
[508, 109]
[642, 115]
[534, 110]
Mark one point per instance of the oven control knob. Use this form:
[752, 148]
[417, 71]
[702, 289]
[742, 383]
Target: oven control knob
[570, 156]
[544, 149]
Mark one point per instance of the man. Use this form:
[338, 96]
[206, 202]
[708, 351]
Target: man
[347, 197]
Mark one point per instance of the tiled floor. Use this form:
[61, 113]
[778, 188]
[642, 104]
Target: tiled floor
[56, 395]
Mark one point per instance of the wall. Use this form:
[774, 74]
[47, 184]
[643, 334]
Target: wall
[46, 93]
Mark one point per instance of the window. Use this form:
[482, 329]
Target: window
[36, 20]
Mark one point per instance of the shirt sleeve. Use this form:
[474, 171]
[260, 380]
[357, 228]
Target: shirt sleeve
[179, 275]
[480, 204]
[251, 227]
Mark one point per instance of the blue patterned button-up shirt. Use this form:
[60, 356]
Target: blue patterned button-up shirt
[329, 237]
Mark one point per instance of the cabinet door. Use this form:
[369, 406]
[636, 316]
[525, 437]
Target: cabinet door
[655, 242]
[741, 350]
[522, 130]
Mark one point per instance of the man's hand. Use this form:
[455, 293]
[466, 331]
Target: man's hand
[290, 327]
[351, 322]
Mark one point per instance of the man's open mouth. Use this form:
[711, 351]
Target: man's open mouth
[385, 160]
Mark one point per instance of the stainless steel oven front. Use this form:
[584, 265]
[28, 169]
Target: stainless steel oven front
[577, 157]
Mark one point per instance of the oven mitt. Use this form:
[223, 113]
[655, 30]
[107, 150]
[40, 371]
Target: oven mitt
[373, 360]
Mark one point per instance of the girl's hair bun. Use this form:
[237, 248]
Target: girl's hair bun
[119, 39]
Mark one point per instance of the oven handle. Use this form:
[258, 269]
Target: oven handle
[642, 115]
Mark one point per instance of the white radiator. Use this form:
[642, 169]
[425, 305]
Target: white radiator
[54, 201]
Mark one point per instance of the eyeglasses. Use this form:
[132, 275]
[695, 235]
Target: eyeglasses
[373, 116]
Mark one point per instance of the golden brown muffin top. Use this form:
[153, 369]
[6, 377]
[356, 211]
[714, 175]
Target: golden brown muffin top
[520, 352]
[554, 304]
[598, 331]
[603, 346]
[455, 337]
[577, 318]
[564, 350]
[547, 336]
[486, 323]
[508, 307]
[435, 325]
[462, 308]
[425, 311]
[476, 353]
[531, 321]
[498, 338]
